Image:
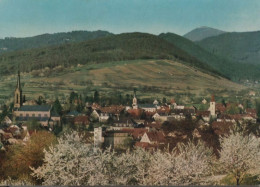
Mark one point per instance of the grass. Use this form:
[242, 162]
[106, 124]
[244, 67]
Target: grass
[157, 77]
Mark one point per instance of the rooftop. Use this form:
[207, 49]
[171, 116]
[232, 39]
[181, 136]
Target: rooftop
[40, 108]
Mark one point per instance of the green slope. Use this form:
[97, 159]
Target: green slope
[202, 33]
[127, 46]
[13, 44]
[152, 78]
[227, 67]
[239, 47]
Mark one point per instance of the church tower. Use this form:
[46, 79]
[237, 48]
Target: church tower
[212, 106]
[18, 98]
[135, 105]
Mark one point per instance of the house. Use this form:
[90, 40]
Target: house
[81, 120]
[100, 116]
[222, 128]
[7, 121]
[153, 137]
[98, 137]
[95, 106]
[148, 107]
[252, 112]
[204, 101]
[135, 113]
[136, 133]
[41, 113]
[162, 117]
[205, 115]
[153, 126]
[113, 111]
[252, 93]
[117, 139]
[173, 103]
[123, 124]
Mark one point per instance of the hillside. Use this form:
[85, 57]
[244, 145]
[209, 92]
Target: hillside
[202, 33]
[129, 46]
[152, 78]
[13, 44]
[227, 67]
[239, 47]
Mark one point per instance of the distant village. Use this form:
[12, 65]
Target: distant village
[118, 126]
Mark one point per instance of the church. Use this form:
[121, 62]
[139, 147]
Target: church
[23, 113]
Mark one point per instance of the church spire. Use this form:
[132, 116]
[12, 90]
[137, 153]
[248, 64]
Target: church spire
[18, 99]
[18, 85]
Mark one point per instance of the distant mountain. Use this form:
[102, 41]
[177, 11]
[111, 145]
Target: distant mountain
[228, 67]
[202, 33]
[128, 46]
[44, 40]
[239, 47]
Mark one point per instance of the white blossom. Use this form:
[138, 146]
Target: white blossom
[73, 162]
[239, 154]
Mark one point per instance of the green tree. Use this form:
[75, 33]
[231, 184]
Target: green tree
[96, 97]
[164, 100]
[258, 107]
[57, 107]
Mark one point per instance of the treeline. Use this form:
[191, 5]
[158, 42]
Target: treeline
[129, 46]
[9, 44]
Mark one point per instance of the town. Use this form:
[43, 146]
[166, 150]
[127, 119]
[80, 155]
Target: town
[150, 126]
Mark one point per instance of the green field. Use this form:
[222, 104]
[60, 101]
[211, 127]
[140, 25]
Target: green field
[152, 78]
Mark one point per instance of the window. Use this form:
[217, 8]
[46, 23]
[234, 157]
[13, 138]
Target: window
[27, 115]
[45, 115]
[39, 115]
[33, 115]
[21, 115]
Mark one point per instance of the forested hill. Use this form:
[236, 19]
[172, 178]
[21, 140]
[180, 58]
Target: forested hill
[44, 40]
[227, 66]
[128, 46]
[241, 47]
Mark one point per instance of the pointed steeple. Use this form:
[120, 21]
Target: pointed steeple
[135, 105]
[18, 84]
[18, 99]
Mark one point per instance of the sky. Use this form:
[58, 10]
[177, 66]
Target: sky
[22, 18]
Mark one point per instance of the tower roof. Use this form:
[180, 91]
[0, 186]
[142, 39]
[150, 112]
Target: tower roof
[212, 98]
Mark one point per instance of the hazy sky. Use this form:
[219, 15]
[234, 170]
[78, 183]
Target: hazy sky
[21, 18]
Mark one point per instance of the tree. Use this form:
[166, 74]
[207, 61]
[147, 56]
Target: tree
[239, 154]
[73, 96]
[164, 100]
[40, 100]
[73, 162]
[57, 107]
[19, 158]
[188, 164]
[4, 113]
[258, 108]
[96, 97]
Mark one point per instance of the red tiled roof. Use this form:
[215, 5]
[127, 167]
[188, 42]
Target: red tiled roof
[156, 136]
[81, 119]
[202, 113]
[145, 145]
[136, 133]
[220, 107]
[114, 109]
[212, 98]
[135, 112]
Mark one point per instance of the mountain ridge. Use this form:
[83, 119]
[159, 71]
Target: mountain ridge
[201, 33]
